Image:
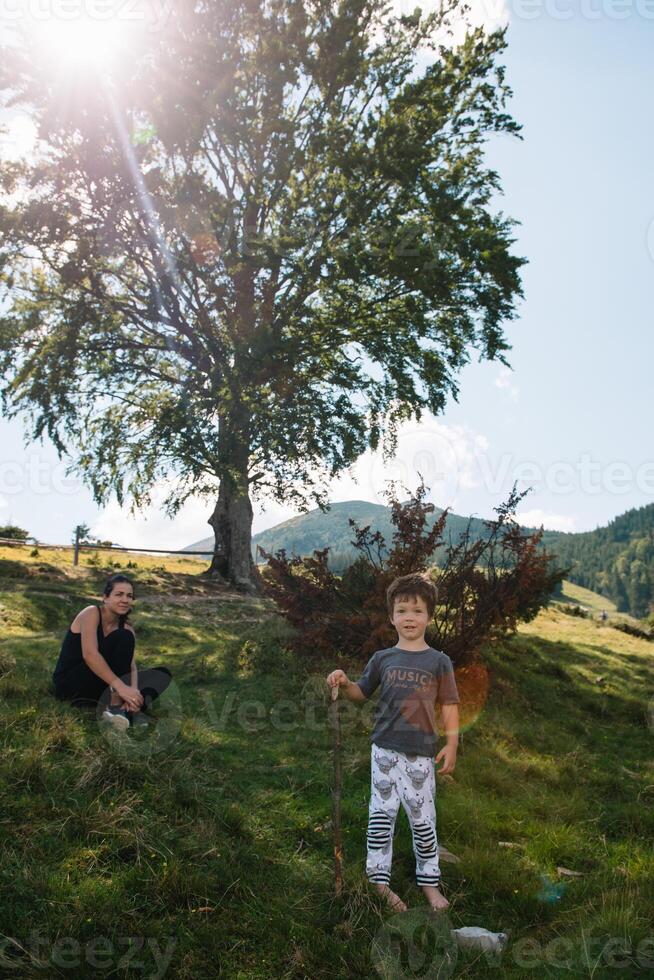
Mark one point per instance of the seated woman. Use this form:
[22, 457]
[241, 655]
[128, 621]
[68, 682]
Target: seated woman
[96, 664]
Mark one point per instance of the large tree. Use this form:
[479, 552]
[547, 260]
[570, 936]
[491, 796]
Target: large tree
[246, 255]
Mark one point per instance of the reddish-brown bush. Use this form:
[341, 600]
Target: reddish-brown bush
[486, 586]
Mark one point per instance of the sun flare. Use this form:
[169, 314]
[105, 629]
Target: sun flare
[83, 42]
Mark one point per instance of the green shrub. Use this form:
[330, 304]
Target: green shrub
[266, 650]
[14, 532]
[570, 610]
[7, 663]
[634, 631]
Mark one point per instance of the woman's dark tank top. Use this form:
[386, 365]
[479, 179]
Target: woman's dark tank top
[70, 655]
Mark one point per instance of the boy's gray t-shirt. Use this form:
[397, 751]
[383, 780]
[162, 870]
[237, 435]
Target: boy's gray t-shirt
[410, 682]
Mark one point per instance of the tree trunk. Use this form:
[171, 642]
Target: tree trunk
[232, 517]
[232, 526]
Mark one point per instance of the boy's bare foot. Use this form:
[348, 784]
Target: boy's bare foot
[435, 898]
[393, 900]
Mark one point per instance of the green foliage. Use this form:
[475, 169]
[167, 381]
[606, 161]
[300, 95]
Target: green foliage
[314, 274]
[36, 610]
[634, 631]
[84, 532]
[600, 560]
[617, 560]
[574, 611]
[267, 649]
[7, 663]
[13, 532]
[347, 617]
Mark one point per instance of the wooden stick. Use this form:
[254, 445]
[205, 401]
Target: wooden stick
[335, 721]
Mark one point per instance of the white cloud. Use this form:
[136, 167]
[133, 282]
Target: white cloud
[268, 513]
[150, 528]
[489, 14]
[551, 522]
[18, 134]
[444, 455]
[3, 502]
[503, 381]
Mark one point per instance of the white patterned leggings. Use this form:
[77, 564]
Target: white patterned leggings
[408, 779]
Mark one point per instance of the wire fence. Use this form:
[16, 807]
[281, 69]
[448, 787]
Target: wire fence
[81, 545]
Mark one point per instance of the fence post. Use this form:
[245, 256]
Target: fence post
[76, 553]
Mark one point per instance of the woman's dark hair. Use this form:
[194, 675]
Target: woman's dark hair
[109, 587]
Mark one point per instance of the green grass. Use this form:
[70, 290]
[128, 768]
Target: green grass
[213, 844]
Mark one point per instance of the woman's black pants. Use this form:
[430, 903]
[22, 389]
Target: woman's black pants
[85, 689]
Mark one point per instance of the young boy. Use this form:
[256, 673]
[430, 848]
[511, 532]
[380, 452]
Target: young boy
[412, 677]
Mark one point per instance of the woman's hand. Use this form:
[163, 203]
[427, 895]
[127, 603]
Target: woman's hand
[131, 696]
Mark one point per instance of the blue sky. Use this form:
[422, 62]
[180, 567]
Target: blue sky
[573, 418]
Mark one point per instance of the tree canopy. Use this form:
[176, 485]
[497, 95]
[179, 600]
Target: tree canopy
[249, 252]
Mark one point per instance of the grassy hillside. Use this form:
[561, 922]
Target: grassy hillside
[208, 837]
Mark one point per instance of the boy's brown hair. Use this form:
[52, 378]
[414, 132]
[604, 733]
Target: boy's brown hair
[409, 587]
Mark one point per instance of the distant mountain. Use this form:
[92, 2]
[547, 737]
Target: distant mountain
[314, 530]
[303, 534]
[616, 561]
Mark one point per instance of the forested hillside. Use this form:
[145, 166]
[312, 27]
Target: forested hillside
[616, 561]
